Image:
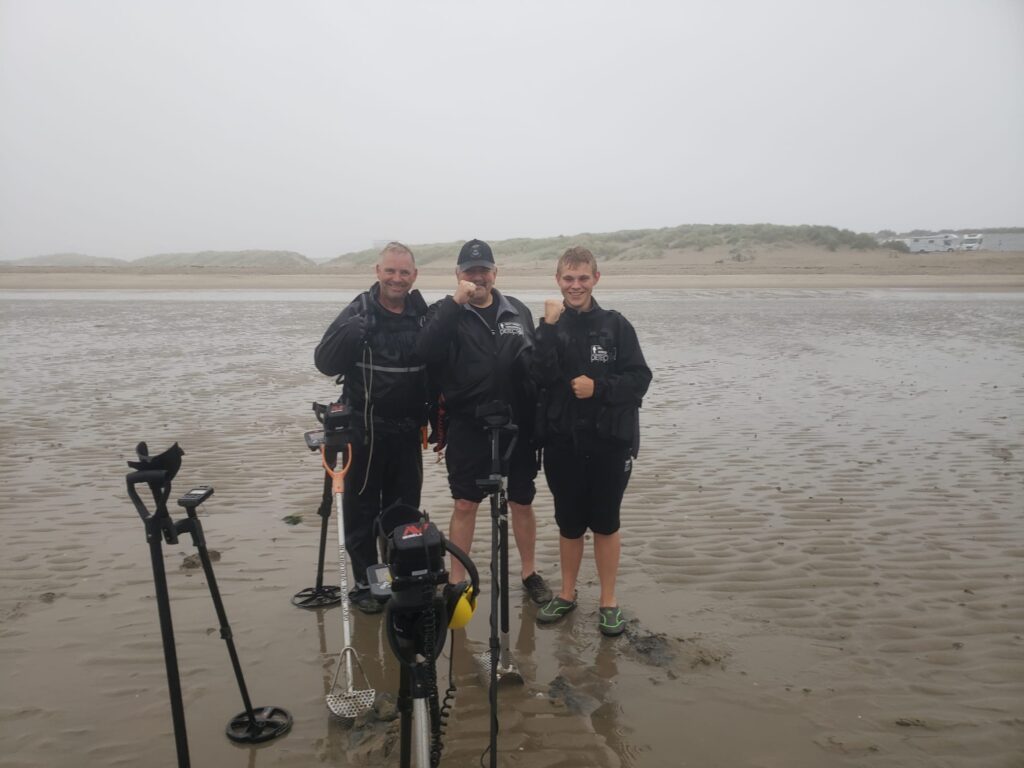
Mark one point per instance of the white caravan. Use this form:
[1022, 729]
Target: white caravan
[971, 242]
[933, 243]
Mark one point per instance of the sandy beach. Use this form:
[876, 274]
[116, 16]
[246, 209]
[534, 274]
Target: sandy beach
[822, 537]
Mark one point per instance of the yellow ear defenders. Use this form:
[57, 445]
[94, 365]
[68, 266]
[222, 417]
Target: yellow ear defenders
[460, 599]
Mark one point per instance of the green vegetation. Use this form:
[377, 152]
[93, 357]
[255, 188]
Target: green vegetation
[641, 244]
[734, 242]
[228, 259]
[896, 245]
[69, 260]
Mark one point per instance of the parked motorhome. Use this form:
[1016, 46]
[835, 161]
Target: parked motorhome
[971, 242]
[933, 243]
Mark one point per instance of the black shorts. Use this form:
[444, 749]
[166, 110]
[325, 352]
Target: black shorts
[468, 457]
[587, 486]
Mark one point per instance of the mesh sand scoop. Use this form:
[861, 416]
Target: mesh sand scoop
[507, 670]
[351, 704]
[345, 701]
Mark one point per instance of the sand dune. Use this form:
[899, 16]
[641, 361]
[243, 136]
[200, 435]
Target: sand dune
[766, 267]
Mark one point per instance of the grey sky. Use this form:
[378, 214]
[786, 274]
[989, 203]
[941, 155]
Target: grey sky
[129, 128]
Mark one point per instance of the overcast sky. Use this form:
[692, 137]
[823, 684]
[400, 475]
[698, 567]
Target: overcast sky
[129, 128]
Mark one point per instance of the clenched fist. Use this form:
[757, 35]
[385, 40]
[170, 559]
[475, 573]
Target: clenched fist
[582, 387]
[464, 292]
[553, 310]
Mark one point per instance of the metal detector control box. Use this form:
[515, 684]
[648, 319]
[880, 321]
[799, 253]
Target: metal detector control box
[379, 576]
[196, 496]
[314, 439]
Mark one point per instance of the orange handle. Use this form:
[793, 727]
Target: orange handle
[337, 476]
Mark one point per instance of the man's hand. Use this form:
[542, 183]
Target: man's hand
[464, 292]
[553, 309]
[582, 387]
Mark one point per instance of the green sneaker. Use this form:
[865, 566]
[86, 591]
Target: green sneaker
[554, 610]
[610, 622]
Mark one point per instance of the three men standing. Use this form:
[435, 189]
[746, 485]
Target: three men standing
[481, 346]
[372, 344]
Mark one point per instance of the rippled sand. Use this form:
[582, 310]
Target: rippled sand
[822, 540]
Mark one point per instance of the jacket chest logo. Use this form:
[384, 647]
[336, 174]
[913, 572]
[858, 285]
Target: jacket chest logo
[599, 354]
[510, 329]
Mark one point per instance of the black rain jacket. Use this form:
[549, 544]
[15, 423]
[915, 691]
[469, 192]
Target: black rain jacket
[474, 365]
[601, 344]
[381, 368]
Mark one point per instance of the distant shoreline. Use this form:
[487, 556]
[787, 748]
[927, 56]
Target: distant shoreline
[67, 281]
[810, 268]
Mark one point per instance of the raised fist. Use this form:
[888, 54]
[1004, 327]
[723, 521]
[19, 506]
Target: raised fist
[464, 292]
[553, 310]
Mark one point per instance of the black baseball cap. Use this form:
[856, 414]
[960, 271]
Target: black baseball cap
[475, 253]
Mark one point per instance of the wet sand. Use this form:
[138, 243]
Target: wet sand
[822, 539]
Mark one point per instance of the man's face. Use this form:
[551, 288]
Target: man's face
[577, 284]
[482, 277]
[396, 274]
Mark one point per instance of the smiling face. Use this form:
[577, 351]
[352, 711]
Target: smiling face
[396, 273]
[577, 281]
[483, 278]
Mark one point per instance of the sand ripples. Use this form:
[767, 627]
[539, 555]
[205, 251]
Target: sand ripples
[823, 537]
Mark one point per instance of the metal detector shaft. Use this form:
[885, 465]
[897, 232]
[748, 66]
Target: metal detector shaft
[325, 515]
[158, 525]
[506, 651]
[246, 727]
[343, 571]
[320, 596]
[420, 733]
[493, 640]
[196, 529]
[163, 603]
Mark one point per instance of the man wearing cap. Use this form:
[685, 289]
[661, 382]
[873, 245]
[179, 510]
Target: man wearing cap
[482, 342]
[372, 344]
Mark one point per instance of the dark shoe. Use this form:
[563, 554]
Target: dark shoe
[610, 622]
[555, 610]
[366, 602]
[537, 589]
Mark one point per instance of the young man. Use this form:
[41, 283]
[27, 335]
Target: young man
[594, 376]
[372, 344]
[482, 342]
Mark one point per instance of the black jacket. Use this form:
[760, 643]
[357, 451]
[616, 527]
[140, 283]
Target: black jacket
[475, 365]
[386, 363]
[600, 344]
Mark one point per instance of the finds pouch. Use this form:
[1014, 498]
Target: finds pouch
[622, 424]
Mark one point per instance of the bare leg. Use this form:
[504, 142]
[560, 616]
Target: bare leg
[606, 555]
[524, 529]
[571, 552]
[460, 533]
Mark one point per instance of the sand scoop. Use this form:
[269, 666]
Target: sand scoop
[350, 702]
[344, 700]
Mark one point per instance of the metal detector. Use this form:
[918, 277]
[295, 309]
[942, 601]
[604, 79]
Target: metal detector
[496, 663]
[252, 725]
[322, 595]
[416, 620]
